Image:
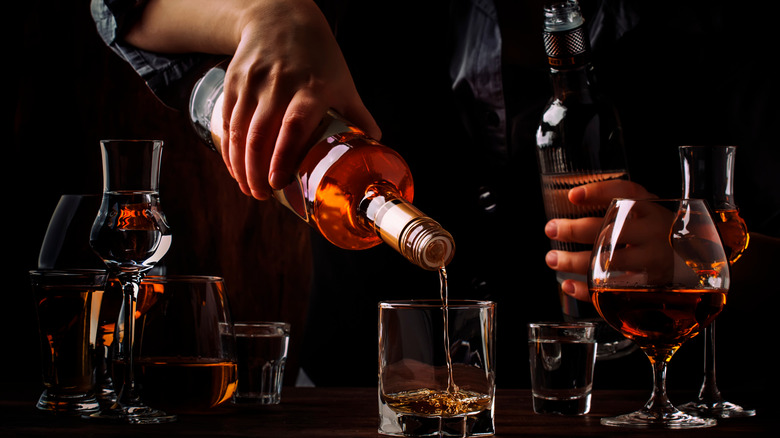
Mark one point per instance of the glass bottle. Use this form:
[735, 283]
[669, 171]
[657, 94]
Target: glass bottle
[355, 191]
[579, 138]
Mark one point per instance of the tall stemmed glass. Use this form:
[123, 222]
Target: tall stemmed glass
[659, 275]
[131, 235]
[708, 173]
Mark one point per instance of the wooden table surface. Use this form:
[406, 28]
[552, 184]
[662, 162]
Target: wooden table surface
[347, 412]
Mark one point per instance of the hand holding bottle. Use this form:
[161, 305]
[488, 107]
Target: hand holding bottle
[584, 230]
[287, 71]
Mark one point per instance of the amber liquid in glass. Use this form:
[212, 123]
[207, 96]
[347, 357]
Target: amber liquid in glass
[133, 234]
[64, 324]
[452, 402]
[184, 383]
[659, 320]
[436, 403]
[733, 233]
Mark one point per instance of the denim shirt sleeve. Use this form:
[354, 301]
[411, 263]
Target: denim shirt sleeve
[112, 18]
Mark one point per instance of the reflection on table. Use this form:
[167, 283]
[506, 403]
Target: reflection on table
[349, 412]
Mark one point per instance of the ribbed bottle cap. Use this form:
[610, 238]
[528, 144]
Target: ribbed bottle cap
[565, 41]
[425, 243]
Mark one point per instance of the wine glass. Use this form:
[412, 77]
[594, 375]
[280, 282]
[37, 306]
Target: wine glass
[130, 234]
[708, 173]
[659, 275]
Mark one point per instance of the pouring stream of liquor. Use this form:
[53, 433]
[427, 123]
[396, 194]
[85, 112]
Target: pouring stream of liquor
[444, 294]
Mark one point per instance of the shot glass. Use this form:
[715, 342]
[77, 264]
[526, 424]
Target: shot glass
[562, 356]
[436, 368]
[65, 302]
[261, 349]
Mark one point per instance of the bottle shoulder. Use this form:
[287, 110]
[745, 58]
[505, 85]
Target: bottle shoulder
[575, 136]
[575, 115]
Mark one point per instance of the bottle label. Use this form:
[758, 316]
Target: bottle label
[392, 218]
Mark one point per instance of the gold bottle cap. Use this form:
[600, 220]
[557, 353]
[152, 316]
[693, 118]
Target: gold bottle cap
[419, 238]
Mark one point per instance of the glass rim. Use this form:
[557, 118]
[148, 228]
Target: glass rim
[131, 140]
[663, 202]
[65, 272]
[704, 146]
[282, 324]
[563, 324]
[436, 303]
[659, 199]
[182, 278]
[261, 323]
[80, 195]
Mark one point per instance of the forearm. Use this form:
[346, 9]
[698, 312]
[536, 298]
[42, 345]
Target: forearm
[286, 71]
[185, 26]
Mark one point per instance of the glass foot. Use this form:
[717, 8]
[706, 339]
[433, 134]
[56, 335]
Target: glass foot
[669, 420]
[719, 409]
[81, 404]
[133, 415]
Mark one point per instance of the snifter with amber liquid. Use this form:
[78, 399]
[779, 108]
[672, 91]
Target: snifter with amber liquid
[659, 275]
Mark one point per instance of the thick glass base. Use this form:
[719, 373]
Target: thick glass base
[570, 406]
[79, 404]
[719, 409]
[133, 415]
[407, 425]
[257, 399]
[652, 420]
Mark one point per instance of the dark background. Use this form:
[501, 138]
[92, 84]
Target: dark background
[69, 91]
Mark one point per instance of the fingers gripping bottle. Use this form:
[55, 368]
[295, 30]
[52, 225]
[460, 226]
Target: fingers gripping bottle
[579, 138]
[355, 191]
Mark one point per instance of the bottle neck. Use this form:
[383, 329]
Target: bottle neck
[405, 228]
[573, 82]
[568, 50]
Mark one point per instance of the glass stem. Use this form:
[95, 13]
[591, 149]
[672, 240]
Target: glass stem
[659, 404]
[709, 392]
[129, 395]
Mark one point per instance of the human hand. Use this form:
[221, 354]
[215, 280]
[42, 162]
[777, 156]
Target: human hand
[658, 243]
[286, 72]
[585, 230]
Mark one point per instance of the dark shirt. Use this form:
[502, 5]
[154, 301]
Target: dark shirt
[461, 104]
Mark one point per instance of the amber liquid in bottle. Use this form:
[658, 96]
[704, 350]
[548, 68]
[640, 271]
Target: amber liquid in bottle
[355, 191]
